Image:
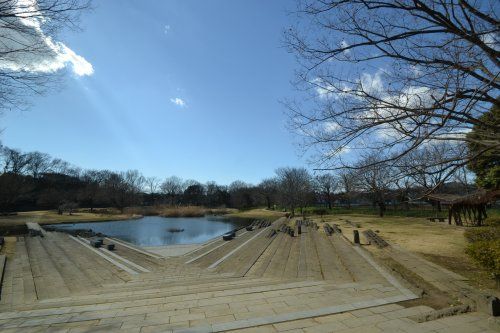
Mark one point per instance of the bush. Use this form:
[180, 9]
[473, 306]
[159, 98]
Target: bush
[482, 234]
[487, 254]
[493, 221]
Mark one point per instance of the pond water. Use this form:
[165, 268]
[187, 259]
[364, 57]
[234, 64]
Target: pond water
[157, 231]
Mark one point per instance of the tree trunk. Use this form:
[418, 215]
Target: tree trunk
[381, 206]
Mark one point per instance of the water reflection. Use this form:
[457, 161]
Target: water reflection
[154, 230]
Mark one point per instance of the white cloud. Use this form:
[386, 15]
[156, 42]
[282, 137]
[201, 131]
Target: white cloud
[166, 29]
[492, 40]
[372, 83]
[331, 126]
[343, 45]
[178, 101]
[29, 49]
[325, 90]
[336, 152]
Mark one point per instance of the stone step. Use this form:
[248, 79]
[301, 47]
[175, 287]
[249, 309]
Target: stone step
[356, 265]
[217, 311]
[104, 296]
[96, 267]
[48, 280]
[18, 285]
[185, 299]
[220, 252]
[74, 278]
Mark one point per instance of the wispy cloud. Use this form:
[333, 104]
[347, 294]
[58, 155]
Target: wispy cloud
[50, 56]
[166, 29]
[344, 45]
[178, 101]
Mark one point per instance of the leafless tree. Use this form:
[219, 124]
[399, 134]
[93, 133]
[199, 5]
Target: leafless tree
[172, 187]
[134, 180]
[27, 43]
[295, 186]
[327, 184]
[376, 179]
[392, 76]
[14, 161]
[38, 163]
[347, 184]
[241, 194]
[427, 165]
[268, 189]
[124, 188]
[94, 181]
[152, 184]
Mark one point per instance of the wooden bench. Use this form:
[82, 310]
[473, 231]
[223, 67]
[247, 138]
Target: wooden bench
[375, 239]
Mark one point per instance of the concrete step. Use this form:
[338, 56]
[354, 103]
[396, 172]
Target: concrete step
[165, 289]
[178, 300]
[221, 310]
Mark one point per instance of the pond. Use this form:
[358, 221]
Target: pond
[158, 231]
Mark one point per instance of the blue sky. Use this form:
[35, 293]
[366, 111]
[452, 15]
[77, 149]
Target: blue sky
[223, 59]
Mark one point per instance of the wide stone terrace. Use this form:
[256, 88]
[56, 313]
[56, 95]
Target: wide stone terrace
[260, 281]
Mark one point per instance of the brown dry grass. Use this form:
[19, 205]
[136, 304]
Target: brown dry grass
[181, 211]
[258, 213]
[51, 217]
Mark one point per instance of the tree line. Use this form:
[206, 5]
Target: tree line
[35, 180]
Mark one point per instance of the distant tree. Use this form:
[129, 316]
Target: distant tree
[268, 189]
[241, 194]
[392, 76]
[134, 181]
[295, 186]
[194, 194]
[92, 189]
[485, 160]
[67, 206]
[172, 188]
[347, 183]
[216, 195]
[327, 183]
[376, 179]
[123, 188]
[38, 163]
[13, 185]
[152, 184]
[14, 161]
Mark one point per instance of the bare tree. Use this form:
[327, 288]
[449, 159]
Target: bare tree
[376, 179]
[124, 188]
[395, 75]
[216, 195]
[241, 194]
[94, 181]
[172, 187]
[295, 187]
[327, 184]
[152, 184]
[14, 161]
[28, 50]
[347, 183]
[134, 180]
[268, 189]
[38, 163]
[427, 165]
